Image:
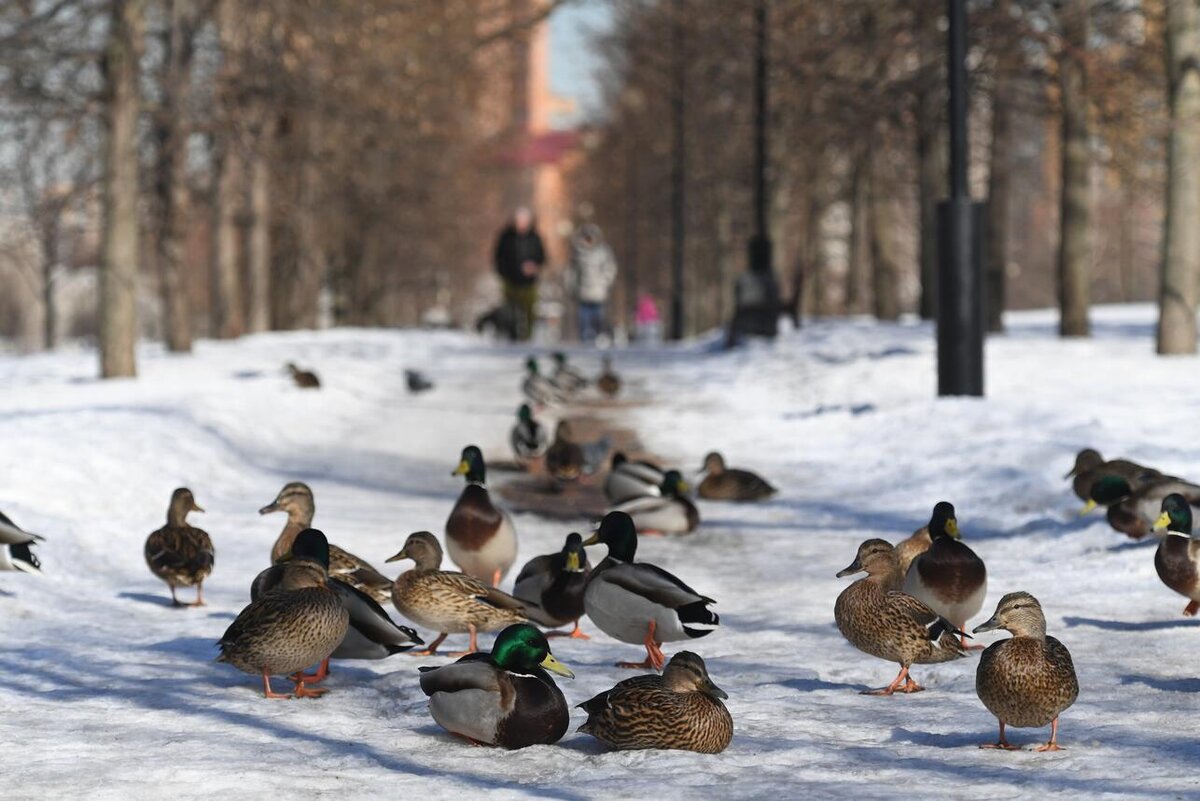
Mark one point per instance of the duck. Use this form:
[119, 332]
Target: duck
[296, 500]
[949, 577]
[880, 620]
[448, 602]
[297, 624]
[628, 479]
[670, 512]
[1131, 511]
[480, 536]
[680, 710]
[913, 546]
[1028, 680]
[528, 437]
[565, 377]
[371, 635]
[609, 383]
[305, 379]
[178, 553]
[505, 698]
[564, 457]
[638, 602]
[16, 548]
[721, 483]
[1090, 467]
[538, 389]
[417, 382]
[1177, 559]
[552, 587]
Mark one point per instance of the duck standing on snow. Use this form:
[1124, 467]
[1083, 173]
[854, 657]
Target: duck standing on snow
[949, 578]
[565, 377]
[1028, 680]
[1134, 512]
[528, 437]
[609, 383]
[446, 602]
[16, 547]
[297, 624]
[680, 710]
[539, 389]
[479, 535]
[879, 620]
[723, 483]
[629, 479]
[180, 554]
[305, 379]
[564, 457]
[296, 499]
[552, 587]
[640, 602]
[668, 513]
[504, 698]
[1177, 559]
[1090, 467]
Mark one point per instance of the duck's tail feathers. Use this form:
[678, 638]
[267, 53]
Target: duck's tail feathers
[24, 560]
[697, 619]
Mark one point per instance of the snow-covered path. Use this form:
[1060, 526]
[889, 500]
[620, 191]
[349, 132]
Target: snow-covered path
[109, 692]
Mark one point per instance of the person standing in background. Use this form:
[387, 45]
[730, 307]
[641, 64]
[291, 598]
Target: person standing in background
[647, 321]
[519, 259]
[593, 271]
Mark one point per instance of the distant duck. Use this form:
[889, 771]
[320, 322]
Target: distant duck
[911, 547]
[1177, 559]
[447, 602]
[949, 578]
[879, 620]
[609, 383]
[552, 586]
[528, 437]
[504, 698]
[1134, 511]
[181, 554]
[632, 479]
[1028, 680]
[1090, 467]
[16, 547]
[723, 483]
[638, 602]
[479, 535]
[305, 379]
[538, 389]
[298, 624]
[417, 382]
[681, 710]
[296, 499]
[668, 513]
[564, 458]
[565, 377]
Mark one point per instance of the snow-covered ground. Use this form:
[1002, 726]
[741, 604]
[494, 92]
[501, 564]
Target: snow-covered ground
[108, 692]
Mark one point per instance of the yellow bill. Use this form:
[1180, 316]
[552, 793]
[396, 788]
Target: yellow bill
[1164, 520]
[554, 666]
[1088, 507]
[952, 528]
[462, 469]
[592, 540]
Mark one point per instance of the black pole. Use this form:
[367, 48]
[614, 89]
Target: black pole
[960, 239]
[760, 121]
[677, 168]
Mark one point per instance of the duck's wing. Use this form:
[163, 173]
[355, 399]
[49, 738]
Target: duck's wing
[535, 576]
[934, 624]
[20, 558]
[654, 584]
[472, 672]
[644, 503]
[12, 534]
[266, 581]
[369, 619]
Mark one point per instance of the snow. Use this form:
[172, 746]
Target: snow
[111, 693]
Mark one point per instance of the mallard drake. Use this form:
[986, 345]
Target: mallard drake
[723, 483]
[552, 586]
[609, 383]
[180, 554]
[640, 602]
[446, 602]
[372, 633]
[539, 389]
[911, 547]
[681, 710]
[1177, 559]
[305, 379]
[479, 535]
[504, 698]
[298, 624]
[881, 621]
[629, 479]
[1027, 680]
[417, 382]
[528, 437]
[1090, 467]
[669, 513]
[564, 458]
[1133, 512]
[948, 578]
[565, 377]
[296, 499]
[16, 547]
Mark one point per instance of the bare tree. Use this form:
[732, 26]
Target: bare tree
[1075, 243]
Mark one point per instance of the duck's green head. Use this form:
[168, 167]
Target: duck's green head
[560, 358]
[531, 365]
[618, 458]
[525, 414]
[1105, 492]
[944, 523]
[471, 465]
[521, 648]
[1176, 514]
[618, 532]
[311, 544]
[573, 554]
[673, 485]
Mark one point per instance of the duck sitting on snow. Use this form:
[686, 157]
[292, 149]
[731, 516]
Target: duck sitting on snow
[628, 479]
[1134, 511]
[528, 437]
[538, 389]
[1177, 559]
[552, 586]
[669, 513]
[480, 536]
[16, 547]
[609, 383]
[948, 577]
[1090, 467]
[721, 483]
[178, 553]
[565, 377]
[305, 379]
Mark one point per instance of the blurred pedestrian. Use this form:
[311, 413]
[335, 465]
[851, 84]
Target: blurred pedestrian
[591, 276]
[646, 319]
[519, 259]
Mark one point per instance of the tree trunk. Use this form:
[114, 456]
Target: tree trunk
[172, 129]
[119, 250]
[999, 185]
[1075, 244]
[881, 227]
[857, 250]
[227, 296]
[50, 232]
[258, 301]
[933, 154]
[1181, 257]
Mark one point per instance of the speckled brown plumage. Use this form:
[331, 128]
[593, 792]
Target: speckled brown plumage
[564, 458]
[180, 554]
[609, 383]
[731, 484]
[913, 546]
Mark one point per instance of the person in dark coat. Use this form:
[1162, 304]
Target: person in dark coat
[519, 260]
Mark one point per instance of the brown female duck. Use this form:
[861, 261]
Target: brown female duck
[180, 554]
[723, 483]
